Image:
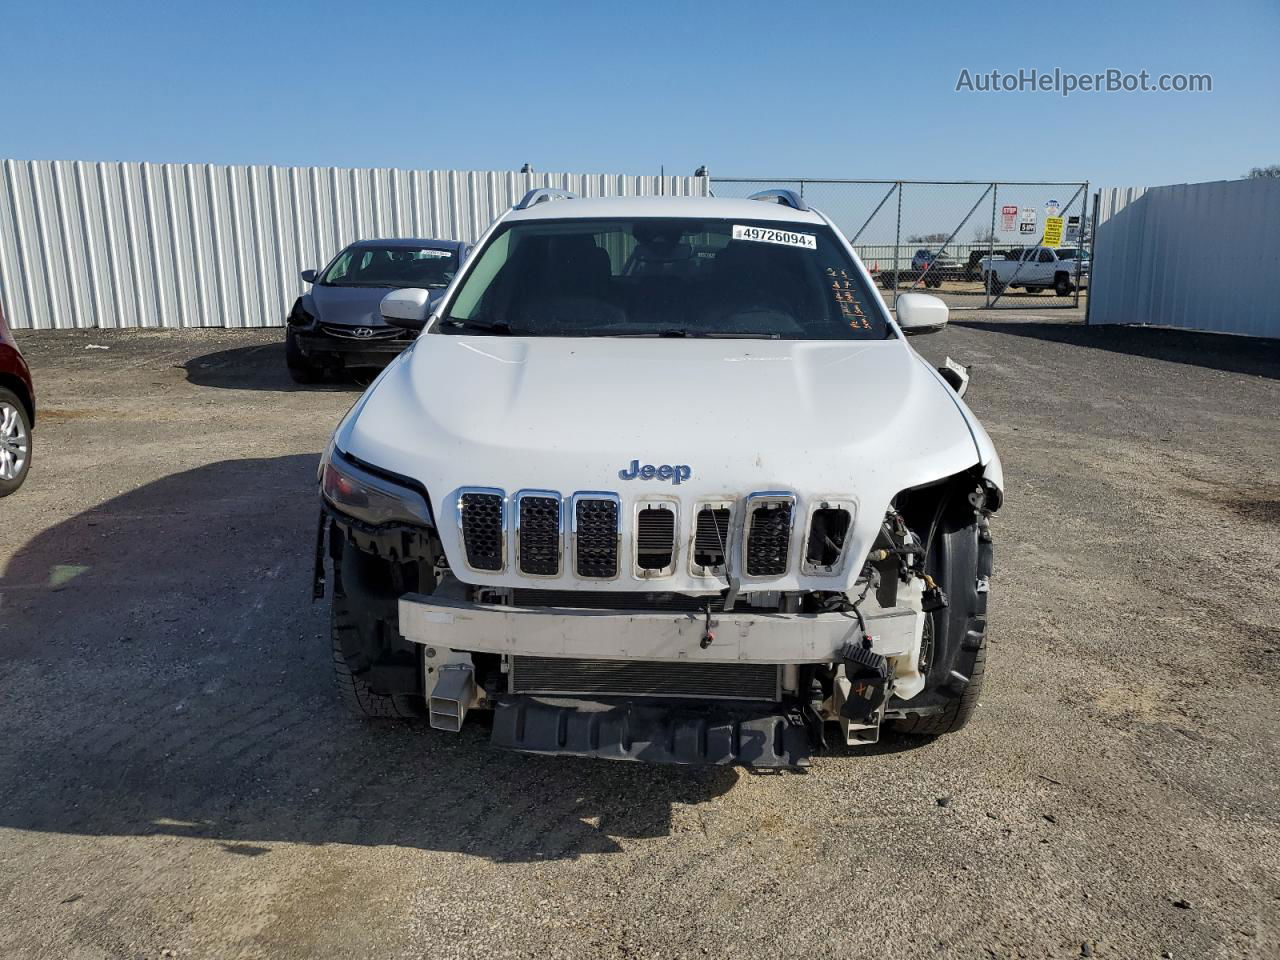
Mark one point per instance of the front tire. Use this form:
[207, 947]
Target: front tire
[1063, 286]
[356, 694]
[359, 635]
[15, 442]
[301, 368]
[960, 561]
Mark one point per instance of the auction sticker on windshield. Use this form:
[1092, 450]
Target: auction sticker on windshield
[769, 235]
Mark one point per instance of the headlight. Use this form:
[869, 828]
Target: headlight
[369, 497]
[299, 317]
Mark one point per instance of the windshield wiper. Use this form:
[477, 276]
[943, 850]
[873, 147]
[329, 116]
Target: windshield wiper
[738, 335]
[676, 332]
[498, 326]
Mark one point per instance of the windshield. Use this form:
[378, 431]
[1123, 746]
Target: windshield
[370, 265]
[678, 278]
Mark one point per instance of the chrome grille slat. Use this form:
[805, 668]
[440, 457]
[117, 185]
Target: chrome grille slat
[829, 527]
[596, 525]
[767, 539]
[711, 538]
[348, 333]
[482, 527]
[539, 533]
[655, 535]
[643, 678]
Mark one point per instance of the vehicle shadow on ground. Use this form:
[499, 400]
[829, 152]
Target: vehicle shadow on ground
[166, 673]
[262, 367]
[1248, 355]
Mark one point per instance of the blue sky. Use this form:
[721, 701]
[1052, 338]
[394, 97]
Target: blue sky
[814, 89]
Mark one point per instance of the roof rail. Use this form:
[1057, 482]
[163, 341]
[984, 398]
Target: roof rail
[788, 198]
[542, 195]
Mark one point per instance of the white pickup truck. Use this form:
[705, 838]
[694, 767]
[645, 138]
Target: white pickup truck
[1035, 269]
[661, 479]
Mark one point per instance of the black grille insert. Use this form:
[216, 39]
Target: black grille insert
[539, 535]
[655, 538]
[711, 537]
[482, 530]
[768, 539]
[827, 532]
[596, 538]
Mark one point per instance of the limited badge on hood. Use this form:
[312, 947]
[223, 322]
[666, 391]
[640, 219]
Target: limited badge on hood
[677, 473]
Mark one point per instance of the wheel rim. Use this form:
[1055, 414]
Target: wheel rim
[926, 646]
[15, 445]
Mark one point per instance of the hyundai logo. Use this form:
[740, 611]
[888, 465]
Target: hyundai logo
[363, 333]
[677, 474]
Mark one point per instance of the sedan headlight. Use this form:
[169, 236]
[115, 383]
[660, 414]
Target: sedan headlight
[370, 497]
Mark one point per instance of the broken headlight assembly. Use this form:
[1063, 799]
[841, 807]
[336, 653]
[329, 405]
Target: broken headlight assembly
[371, 495]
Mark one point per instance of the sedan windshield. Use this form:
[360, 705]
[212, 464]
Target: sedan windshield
[666, 278]
[370, 265]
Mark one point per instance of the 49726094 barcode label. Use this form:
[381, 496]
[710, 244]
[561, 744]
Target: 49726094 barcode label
[771, 235]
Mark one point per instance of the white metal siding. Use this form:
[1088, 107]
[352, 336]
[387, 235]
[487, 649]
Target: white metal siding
[198, 245]
[1199, 256]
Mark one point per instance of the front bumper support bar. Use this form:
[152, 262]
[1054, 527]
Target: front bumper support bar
[744, 636]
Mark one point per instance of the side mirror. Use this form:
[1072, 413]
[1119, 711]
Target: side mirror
[956, 374]
[407, 308]
[921, 313]
[308, 276]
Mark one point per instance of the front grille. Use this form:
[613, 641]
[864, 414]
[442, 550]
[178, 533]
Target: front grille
[349, 333]
[480, 520]
[596, 538]
[711, 538]
[643, 678]
[655, 539]
[653, 602]
[768, 538]
[539, 534]
[828, 530]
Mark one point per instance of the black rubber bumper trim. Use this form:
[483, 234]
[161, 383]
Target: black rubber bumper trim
[652, 733]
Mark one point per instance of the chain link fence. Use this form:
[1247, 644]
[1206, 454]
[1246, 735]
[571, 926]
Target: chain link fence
[974, 244]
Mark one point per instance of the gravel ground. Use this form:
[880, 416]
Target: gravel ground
[176, 778]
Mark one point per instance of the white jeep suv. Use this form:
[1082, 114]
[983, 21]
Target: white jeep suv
[662, 480]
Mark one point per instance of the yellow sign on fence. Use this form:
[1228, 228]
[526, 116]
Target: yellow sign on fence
[1052, 231]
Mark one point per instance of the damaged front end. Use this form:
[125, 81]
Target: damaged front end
[733, 674]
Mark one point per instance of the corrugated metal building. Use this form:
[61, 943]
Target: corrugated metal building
[197, 245]
[1199, 256]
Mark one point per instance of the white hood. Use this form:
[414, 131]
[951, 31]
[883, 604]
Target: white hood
[851, 420]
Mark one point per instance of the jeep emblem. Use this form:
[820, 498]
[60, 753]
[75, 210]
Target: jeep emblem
[677, 474]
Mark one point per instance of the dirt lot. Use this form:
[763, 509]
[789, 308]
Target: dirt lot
[176, 778]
